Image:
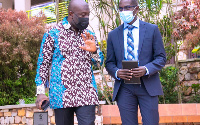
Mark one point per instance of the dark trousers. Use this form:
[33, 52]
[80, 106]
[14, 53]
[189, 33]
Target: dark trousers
[130, 97]
[85, 115]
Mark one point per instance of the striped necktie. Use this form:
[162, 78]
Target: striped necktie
[130, 43]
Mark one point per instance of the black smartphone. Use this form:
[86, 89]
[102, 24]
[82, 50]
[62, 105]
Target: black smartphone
[45, 105]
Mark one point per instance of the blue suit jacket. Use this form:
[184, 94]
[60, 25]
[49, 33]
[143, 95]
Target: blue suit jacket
[151, 53]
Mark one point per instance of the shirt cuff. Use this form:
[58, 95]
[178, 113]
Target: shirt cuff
[40, 89]
[116, 75]
[147, 71]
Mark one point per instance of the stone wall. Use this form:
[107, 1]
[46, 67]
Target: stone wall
[23, 115]
[189, 71]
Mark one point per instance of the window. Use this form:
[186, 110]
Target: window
[0, 5]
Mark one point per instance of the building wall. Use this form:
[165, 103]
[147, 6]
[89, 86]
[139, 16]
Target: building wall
[36, 2]
[6, 4]
[22, 5]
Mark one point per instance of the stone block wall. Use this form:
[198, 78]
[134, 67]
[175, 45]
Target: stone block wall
[189, 71]
[23, 115]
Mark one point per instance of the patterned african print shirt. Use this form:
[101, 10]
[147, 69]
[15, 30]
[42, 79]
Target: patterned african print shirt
[72, 82]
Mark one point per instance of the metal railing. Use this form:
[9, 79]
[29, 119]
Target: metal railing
[50, 11]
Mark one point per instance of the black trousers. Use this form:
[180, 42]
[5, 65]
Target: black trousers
[85, 115]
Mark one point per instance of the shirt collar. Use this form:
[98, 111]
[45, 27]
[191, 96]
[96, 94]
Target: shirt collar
[136, 24]
[65, 23]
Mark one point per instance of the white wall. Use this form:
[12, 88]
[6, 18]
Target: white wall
[94, 21]
[22, 5]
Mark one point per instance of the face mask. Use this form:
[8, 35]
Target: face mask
[82, 23]
[126, 16]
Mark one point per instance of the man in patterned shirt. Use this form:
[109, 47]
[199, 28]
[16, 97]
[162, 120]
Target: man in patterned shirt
[68, 51]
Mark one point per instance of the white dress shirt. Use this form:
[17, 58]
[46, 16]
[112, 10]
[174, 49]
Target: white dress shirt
[135, 33]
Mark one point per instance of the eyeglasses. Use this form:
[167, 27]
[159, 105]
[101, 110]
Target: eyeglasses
[126, 8]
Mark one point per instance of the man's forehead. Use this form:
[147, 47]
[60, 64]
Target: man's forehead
[81, 9]
[127, 2]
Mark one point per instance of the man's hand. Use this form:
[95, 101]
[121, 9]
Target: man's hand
[90, 44]
[139, 72]
[125, 74]
[40, 99]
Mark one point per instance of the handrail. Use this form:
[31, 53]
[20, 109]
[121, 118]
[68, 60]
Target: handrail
[49, 11]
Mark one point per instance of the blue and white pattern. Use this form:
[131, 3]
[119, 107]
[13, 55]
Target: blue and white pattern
[130, 44]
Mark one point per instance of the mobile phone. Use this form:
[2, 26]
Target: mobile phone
[45, 105]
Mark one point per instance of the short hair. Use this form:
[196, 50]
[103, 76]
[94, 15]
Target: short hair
[134, 1]
[74, 3]
[70, 6]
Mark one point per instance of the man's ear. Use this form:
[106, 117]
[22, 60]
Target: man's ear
[137, 9]
[70, 13]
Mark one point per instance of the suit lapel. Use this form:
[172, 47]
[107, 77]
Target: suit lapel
[142, 30]
[121, 39]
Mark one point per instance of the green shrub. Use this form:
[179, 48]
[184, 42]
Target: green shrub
[194, 99]
[168, 77]
[28, 100]
[196, 88]
[20, 40]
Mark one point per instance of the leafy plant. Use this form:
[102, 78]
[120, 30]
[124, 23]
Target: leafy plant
[104, 91]
[150, 9]
[194, 99]
[187, 22]
[20, 40]
[169, 80]
[196, 88]
[28, 100]
[165, 27]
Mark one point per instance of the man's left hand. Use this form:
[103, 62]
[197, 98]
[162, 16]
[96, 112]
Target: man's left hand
[139, 72]
[90, 44]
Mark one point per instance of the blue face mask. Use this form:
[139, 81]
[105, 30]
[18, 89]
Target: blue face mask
[126, 16]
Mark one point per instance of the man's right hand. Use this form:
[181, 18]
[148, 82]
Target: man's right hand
[125, 74]
[40, 99]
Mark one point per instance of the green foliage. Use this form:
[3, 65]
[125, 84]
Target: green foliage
[28, 100]
[168, 78]
[196, 88]
[187, 21]
[150, 9]
[107, 13]
[100, 95]
[20, 40]
[166, 29]
[103, 47]
[194, 99]
[12, 91]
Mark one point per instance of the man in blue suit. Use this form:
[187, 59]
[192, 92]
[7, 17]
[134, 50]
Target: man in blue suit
[136, 40]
